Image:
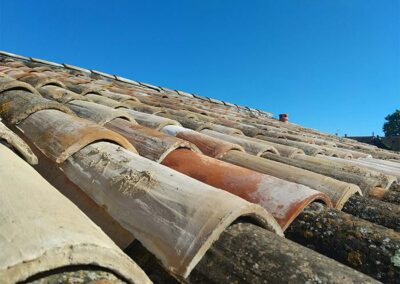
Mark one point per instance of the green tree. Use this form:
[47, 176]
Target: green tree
[392, 124]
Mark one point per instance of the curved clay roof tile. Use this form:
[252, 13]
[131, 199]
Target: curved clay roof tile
[17, 105]
[8, 83]
[38, 81]
[59, 135]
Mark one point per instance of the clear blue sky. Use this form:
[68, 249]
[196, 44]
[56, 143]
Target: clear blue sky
[329, 64]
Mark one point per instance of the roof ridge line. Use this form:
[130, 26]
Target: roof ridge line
[132, 82]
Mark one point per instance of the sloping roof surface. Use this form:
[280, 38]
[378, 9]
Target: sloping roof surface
[148, 163]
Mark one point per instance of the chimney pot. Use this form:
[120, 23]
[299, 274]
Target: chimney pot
[284, 117]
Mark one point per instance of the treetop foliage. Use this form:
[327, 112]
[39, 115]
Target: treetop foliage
[392, 124]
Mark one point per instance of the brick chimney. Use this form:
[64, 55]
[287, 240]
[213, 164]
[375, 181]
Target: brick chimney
[284, 117]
